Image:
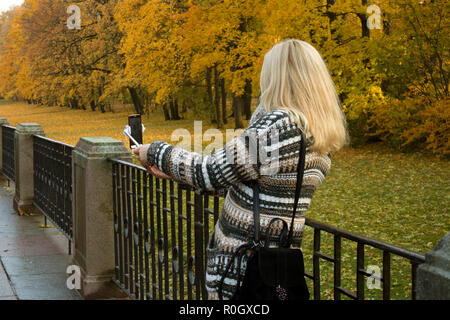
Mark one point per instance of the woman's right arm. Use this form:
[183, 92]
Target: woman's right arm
[229, 165]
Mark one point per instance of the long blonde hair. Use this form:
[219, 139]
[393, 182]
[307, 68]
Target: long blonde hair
[295, 78]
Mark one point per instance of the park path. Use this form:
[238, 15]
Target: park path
[33, 259]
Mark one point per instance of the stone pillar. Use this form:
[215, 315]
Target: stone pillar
[433, 276]
[93, 218]
[23, 145]
[2, 122]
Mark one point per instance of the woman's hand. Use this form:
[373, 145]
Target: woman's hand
[154, 171]
[141, 152]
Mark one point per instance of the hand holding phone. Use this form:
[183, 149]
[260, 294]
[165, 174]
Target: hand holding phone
[134, 130]
[141, 152]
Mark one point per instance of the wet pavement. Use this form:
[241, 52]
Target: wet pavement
[33, 259]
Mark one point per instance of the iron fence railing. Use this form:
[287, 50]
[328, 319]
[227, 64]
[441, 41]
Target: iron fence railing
[161, 230]
[53, 182]
[361, 242]
[8, 169]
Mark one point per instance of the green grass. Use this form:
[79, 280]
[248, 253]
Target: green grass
[402, 199]
[5, 102]
[399, 198]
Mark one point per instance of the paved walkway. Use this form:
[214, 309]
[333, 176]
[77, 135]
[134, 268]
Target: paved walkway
[33, 259]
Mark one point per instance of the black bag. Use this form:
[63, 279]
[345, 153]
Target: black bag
[272, 273]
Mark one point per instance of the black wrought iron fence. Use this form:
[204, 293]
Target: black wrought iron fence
[8, 169]
[53, 182]
[161, 230]
[362, 243]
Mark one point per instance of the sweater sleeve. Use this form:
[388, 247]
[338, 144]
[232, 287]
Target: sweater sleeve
[231, 164]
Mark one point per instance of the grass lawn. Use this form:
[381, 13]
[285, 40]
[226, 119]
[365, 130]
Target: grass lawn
[374, 191]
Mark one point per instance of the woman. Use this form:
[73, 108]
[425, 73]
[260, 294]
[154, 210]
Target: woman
[297, 92]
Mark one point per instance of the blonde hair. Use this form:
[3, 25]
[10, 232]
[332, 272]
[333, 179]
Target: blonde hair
[295, 78]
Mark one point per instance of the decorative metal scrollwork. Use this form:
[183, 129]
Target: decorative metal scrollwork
[191, 274]
[175, 264]
[116, 224]
[136, 233]
[160, 250]
[125, 227]
[147, 240]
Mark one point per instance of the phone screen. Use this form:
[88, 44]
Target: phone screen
[135, 123]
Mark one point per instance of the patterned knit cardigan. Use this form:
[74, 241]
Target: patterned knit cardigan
[214, 173]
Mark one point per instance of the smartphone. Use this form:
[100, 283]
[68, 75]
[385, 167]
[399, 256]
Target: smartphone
[135, 123]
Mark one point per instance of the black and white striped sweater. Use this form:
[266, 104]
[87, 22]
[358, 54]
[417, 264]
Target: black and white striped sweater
[215, 173]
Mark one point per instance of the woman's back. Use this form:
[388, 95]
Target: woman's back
[235, 224]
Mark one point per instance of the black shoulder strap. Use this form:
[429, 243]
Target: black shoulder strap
[256, 210]
[298, 185]
[298, 188]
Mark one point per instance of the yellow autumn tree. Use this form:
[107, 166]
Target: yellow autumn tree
[389, 59]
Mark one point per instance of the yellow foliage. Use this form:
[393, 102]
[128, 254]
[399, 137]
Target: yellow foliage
[393, 82]
[414, 121]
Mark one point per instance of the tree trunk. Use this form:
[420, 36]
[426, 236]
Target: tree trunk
[93, 106]
[238, 106]
[365, 32]
[224, 101]
[166, 112]
[217, 98]
[174, 109]
[331, 19]
[136, 100]
[386, 24]
[74, 103]
[209, 86]
[101, 104]
[177, 109]
[248, 99]
[209, 98]
[233, 105]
